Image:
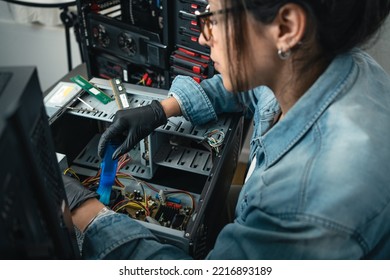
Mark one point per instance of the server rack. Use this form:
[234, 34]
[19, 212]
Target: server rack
[145, 42]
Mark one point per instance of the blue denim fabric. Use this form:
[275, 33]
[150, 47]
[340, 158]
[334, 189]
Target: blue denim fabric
[321, 185]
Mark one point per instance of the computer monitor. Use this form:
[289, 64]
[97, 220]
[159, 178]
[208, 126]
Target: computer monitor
[35, 221]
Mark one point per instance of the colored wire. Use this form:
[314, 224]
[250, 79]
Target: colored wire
[128, 201]
[186, 193]
[143, 79]
[215, 139]
[71, 171]
[91, 181]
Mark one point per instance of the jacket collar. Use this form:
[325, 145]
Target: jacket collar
[336, 80]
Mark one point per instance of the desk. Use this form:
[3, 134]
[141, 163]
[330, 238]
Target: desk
[67, 17]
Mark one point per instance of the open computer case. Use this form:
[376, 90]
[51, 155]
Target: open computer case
[174, 181]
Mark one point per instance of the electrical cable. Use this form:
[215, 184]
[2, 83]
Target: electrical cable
[214, 139]
[131, 12]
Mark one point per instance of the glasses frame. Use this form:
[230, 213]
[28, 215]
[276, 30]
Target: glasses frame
[203, 21]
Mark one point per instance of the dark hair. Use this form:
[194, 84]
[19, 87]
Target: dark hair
[338, 26]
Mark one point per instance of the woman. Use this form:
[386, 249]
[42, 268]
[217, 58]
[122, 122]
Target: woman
[318, 183]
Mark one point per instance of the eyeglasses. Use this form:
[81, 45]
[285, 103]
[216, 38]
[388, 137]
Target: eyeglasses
[205, 22]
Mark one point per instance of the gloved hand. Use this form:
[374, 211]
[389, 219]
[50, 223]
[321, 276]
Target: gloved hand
[76, 193]
[136, 122]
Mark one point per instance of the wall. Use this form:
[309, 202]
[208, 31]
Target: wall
[35, 44]
[381, 48]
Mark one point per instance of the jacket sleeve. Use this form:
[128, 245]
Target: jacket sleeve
[201, 103]
[117, 236]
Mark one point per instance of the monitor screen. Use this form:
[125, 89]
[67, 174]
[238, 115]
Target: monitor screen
[35, 221]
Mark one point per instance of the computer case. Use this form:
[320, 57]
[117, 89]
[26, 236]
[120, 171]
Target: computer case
[35, 221]
[174, 161]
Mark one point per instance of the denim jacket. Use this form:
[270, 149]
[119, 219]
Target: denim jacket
[320, 188]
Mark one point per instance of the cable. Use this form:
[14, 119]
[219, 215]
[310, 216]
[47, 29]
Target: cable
[214, 139]
[71, 171]
[130, 198]
[131, 12]
[186, 193]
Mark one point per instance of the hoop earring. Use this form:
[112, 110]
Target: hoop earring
[283, 55]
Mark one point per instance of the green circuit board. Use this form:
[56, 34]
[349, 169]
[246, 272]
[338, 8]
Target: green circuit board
[91, 89]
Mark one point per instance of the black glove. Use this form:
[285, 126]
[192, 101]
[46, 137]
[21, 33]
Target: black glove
[136, 122]
[76, 193]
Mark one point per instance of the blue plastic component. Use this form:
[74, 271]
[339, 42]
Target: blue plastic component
[107, 176]
[174, 200]
[170, 199]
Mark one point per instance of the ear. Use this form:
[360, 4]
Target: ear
[289, 26]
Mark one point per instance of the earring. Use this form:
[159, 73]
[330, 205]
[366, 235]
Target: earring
[283, 55]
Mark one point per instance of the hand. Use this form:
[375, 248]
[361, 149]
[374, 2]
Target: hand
[76, 193]
[136, 122]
